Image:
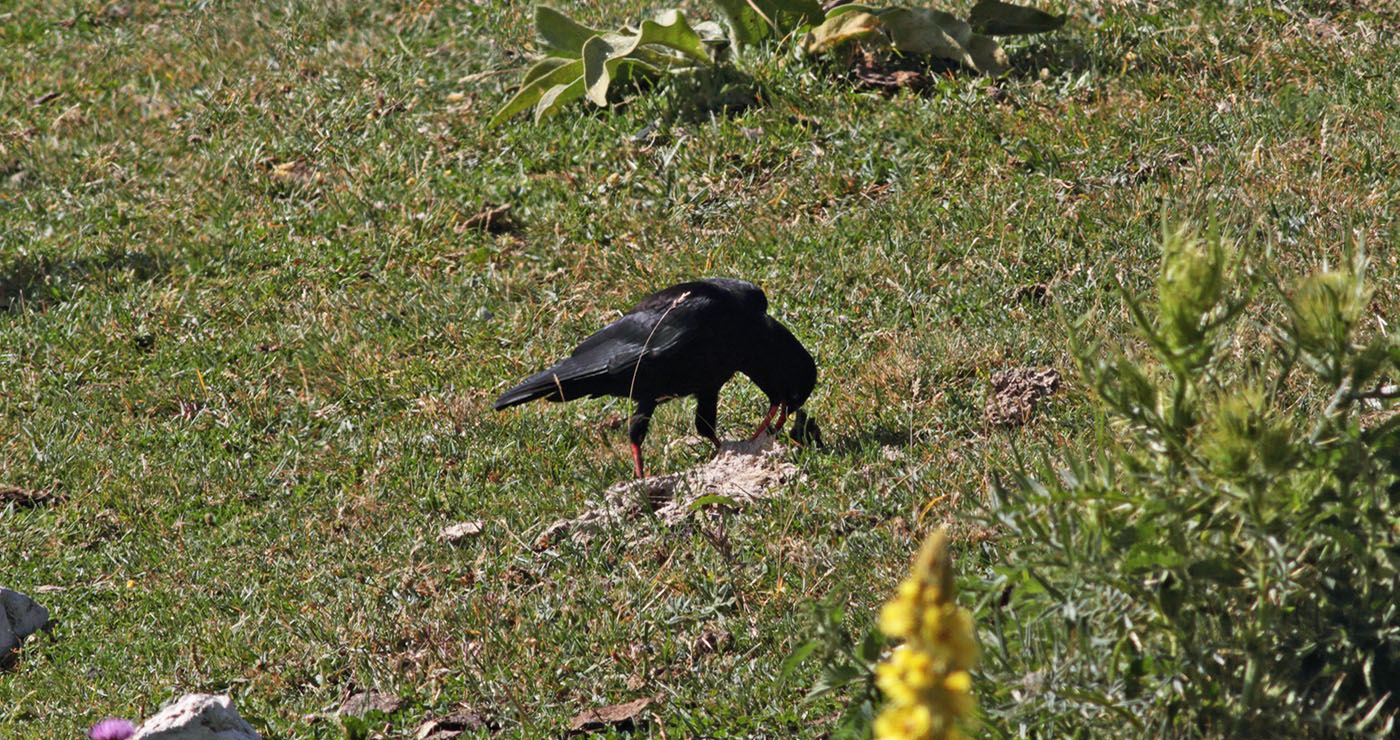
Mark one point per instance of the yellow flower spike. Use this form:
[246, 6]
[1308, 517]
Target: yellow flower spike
[926, 679]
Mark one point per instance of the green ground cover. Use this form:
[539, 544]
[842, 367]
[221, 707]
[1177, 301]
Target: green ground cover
[247, 335]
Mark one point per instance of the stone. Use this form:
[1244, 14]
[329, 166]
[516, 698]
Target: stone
[197, 717]
[20, 617]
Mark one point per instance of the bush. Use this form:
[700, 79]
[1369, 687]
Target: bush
[1226, 561]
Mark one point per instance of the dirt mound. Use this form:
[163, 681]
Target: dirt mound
[742, 473]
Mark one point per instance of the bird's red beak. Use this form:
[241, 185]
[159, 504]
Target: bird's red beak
[771, 411]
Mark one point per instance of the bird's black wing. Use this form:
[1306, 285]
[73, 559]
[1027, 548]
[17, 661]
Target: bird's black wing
[664, 328]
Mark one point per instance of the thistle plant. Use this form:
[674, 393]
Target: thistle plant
[926, 678]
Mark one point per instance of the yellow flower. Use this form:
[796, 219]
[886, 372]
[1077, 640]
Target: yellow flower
[904, 723]
[926, 679]
[898, 619]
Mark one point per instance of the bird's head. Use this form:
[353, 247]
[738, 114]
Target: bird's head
[782, 368]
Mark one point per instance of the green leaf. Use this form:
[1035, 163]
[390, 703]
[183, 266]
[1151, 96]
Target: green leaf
[713, 499]
[541, 68]
[746, 26]
[838, 30]
[789, 15]
[996, 18]
[798, 655]
[832, 678]
[557, 96]
[929, 31]
[602, 53]
[871, 646]
[987, 55]
[563, 34]
[542, 77]
[753, 21]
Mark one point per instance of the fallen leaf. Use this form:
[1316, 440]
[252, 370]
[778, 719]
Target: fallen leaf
[619, 716]
[365, 702]
[493, 219]
[460, 531]
[25, 497]
[45, 98]
[450, 726]
[298, 171]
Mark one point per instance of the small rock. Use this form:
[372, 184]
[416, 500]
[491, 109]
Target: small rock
[20, 617]
[197, 717]
[460, 531]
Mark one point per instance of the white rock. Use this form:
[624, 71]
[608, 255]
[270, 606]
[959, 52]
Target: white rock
[197, 717]
[20, 617]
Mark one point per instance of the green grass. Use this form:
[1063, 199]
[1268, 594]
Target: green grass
[263, 396]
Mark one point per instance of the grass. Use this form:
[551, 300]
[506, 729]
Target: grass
[247, 338]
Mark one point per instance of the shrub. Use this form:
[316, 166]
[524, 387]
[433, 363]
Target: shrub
[1225, 562]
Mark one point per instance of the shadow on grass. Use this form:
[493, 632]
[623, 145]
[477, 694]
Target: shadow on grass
[1056, 53]
[881, 435]
[37, 282]
[711, 92]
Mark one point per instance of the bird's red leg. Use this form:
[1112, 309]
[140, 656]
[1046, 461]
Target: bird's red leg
[637, 459]
[781, 419]
[771, 410]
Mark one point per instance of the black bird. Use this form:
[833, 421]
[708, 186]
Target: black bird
[686, 340]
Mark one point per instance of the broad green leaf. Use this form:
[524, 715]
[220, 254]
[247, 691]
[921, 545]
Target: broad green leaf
[837, 30]
[996, 18]
[602, 53]
[987, 55]
[563, 34]
[713, 499]
[542, 77]
[872, 646]
[746, 26]
[789, 15]
[854, 8]
[671, 29]
[541, 68]
[929, 31]
[752, 21]
[557, 96]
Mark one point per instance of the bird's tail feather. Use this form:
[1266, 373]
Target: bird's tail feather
[551, 385]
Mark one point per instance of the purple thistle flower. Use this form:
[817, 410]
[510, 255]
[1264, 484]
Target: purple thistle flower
[112, 729]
